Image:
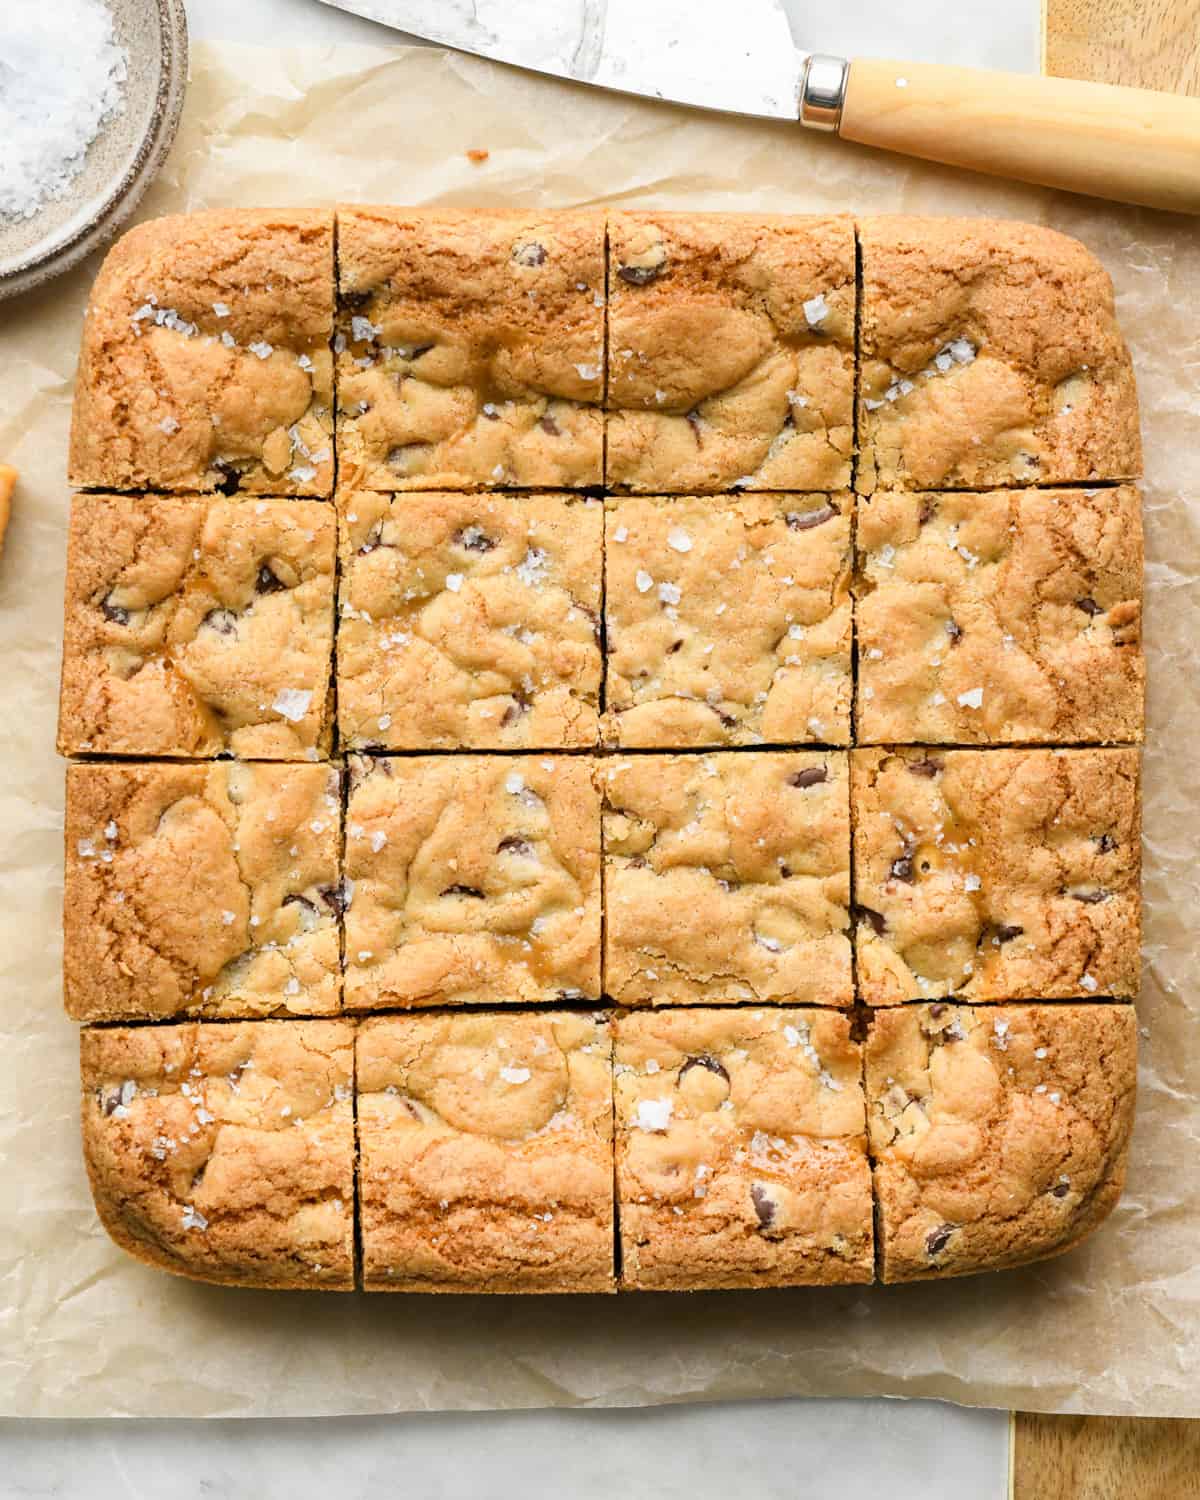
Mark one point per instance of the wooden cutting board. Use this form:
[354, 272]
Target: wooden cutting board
[1153, 44]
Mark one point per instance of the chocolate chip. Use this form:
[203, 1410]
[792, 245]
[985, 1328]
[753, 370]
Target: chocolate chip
[513, 712]
[334, 897]
[639, 275]
[936, 1012]
[109, 1100]
[1106, 843]
[223, 621]
[702, 1060]
[231, 479]
[954, 631]
[1060, 1189]
[268, 582]
[727, 720]
[1091, 898]
[295, 900]
[1088, 605]
[114, 612]
[1000, 934]
[353, 300]
[764, 1205]
[902, 869]
[474, 539]
[805, 520]
[673, 647]
[810, 776]
[928, 767]
[463, 890]
[872, 918]
[693, 420]
[530, 254]
[937, 1239]
[548, 424]
[785, 872]
[514, 844]
[927, 512]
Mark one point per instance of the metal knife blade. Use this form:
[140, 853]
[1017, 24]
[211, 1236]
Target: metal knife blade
[706, 53]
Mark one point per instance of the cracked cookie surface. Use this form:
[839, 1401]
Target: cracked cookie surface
[198, 626]
[729, 623]
[201, 889]
[470, 348]
[727, 877]
[225, 1153]
[990, 355]
[486, 1145]
[472, 880]
[999, 1135]
[730, 352]
[996, 874]
[469, 621]
[1008, 616]
[741, 1150]
[205, 361]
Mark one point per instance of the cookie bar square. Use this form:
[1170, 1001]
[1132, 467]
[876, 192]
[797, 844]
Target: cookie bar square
[486, 1153]
[198, 626]
[206, 359]
[728, 623]
[996, 874]
[999, 1135]
[205, 890]
[225, 1153]
[469, 620]
[741, 1150]
[472, 880]
[1009, 616]
[727, 878]
[730, 352]
[990, 356]
[470, 348]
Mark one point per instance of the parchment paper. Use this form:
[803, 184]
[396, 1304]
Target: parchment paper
[85, 1331]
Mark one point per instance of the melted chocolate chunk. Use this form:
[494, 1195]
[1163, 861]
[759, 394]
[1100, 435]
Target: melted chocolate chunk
[764, 1205]
[810, 776]
[223, 621]
[928, 767]
[114, 612]
[1060, 1189]
[334, 897]
[353, 300]
[1091, 898]
[805, 520]
[902, 869]
[463, 890]
[548, 424]
[937, 1239]
[514, 844]
[231, 481]
[639, 275]
[268, 582]
[702, 1060]
[874, 919]
[1106, 843]
[1088, 605]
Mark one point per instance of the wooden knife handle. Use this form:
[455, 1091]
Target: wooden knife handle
[1132, 145]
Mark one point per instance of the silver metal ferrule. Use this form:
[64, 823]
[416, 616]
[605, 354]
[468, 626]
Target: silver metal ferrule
[823, 92]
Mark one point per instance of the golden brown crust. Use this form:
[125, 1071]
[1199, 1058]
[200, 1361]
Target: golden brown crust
[207, 890]
[472, 880]
[741, 1150]
[471, 348]
[990, 356]
[1008, 616]
[999, 1134]
[731, 350]
[727, 877]
[469, 621]
[225, 1152]
[198, 626]
[205, 360]
[996, 874]
[486, 1145]
[729, 623]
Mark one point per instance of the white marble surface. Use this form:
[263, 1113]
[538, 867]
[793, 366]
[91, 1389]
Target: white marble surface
[800, 1450]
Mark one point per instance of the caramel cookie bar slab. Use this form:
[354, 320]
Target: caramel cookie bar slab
[990, 355]
[728, 623]
[999, 1134]
[469, 621]
[1010, 616]
[206, 358]
[486, 1153]
[470, 348]
[198, 626]
[996, 874]
[730, 352]
[727, 878]
[472, 880]
[225, 1152]
[741, 1150]
[208, 890]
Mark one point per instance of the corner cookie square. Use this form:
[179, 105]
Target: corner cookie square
[470, 348]
[206, 362]
[728, 623]
[469, 621]
[472, 880]
[730, 352]
[990, 356]
[487, 1161]
[225, 1153]
[197, 627]
[999, 1135]
[996, 874]
[1011, 616]
[741, 1150]
[727, 878]
[202, 890]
